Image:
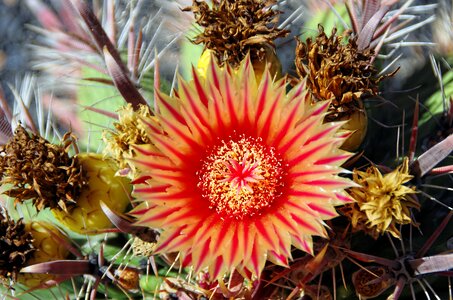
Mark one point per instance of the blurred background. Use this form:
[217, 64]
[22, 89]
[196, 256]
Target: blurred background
[14, 37]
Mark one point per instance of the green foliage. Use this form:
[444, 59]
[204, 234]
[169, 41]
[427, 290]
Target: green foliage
[100, 96]
[190, 53]
[328, 19]
[434, 104]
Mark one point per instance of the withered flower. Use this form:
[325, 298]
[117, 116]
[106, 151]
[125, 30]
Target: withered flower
[337, 70]
[233, 28]
[40, 170]
[382, 201]
[16, 247]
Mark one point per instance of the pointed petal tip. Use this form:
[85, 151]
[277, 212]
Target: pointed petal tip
[59, 267]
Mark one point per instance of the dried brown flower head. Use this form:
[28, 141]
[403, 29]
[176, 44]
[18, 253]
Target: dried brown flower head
[337, 70]
[233, 28]
[40, 170]
[16, 247]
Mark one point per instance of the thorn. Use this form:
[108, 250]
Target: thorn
[122, 81]
[414, 132]
[430, 158]
[97, 32]
[144, 233]
[60, 267]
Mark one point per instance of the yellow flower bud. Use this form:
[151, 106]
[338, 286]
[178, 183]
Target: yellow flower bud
[48, 248]
[357, 124]
[103, 185]
[271, 59]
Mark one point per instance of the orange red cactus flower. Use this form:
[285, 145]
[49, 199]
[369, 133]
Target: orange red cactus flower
[238, 171]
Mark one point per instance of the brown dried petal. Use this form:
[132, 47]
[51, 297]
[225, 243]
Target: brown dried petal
[41, 171]
[16, 247]
[234, 28]
[337, 71]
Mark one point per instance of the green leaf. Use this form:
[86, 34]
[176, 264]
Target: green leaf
[434, 104]
[190, 54]
[58, 292]
[328, 19]
[150, 284]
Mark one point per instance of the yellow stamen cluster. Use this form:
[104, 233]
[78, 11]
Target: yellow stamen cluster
[383, 201]
[129, 131]
[142, 248]
[241, 177]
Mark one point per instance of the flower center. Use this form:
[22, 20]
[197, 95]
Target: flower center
[241, 178]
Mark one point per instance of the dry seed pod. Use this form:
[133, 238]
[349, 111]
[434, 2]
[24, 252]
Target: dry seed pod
[128, 279]
[70, 186]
